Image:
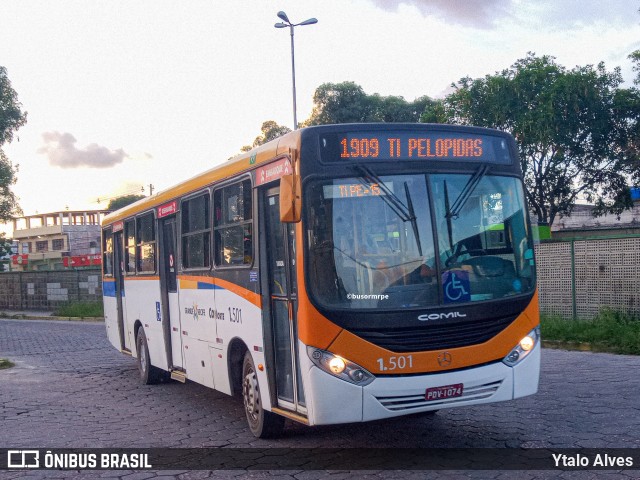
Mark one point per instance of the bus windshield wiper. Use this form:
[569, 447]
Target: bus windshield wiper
[404, 212]
[466, 192]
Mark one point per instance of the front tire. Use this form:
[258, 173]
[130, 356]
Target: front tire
[262, 424]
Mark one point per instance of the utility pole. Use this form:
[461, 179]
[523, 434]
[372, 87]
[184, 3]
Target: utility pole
[150, 189]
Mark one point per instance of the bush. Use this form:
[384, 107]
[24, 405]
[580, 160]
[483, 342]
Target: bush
[81, 310]
[4, 363]
[610, 330]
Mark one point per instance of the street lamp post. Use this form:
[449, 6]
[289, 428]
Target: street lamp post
[286, 23]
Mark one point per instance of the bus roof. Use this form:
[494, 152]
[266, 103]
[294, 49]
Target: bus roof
[243, 162]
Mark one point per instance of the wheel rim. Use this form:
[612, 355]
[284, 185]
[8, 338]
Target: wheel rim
[251, 396]
[142, 354]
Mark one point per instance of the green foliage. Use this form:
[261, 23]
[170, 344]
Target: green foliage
[576, 130]
[8, 201]
[610, 331]
[347, 102]
[81, 310]
[11, 115]
[4, 363]
[635, 58]
[270, 131]
[11, 119]
[123, 201]
[5, 249]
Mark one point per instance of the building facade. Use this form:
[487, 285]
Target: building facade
[57, 240]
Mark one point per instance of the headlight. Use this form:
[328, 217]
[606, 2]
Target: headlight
[340, 367]
[523, 348]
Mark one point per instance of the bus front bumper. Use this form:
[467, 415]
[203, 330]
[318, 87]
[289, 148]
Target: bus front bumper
[338, 401]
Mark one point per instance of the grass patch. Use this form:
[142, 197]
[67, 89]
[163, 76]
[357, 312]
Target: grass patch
[80, 310]
[609, 331]
[4, 363]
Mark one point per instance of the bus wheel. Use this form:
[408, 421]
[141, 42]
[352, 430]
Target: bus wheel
[263, 424]
[148, 373]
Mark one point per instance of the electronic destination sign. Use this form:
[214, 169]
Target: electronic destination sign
[418, 145]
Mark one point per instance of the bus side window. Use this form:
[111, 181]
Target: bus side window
[107, 248]
[146, 248]
[196, 232]
[130, 246]
[233, 225]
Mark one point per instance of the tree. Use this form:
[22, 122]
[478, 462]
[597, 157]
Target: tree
[574, 130]
[347, 102]
[11, 119]
[123, 201]
[270, 131]
[6, 247]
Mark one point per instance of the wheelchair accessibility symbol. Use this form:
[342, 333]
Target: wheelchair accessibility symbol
[456, 286]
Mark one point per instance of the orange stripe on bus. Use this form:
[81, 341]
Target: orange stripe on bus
[190, 281]
[248, 295]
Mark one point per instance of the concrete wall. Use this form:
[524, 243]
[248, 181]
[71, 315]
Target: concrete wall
[49, 289]
[577, 278]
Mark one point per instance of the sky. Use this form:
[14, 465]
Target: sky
[123, 94]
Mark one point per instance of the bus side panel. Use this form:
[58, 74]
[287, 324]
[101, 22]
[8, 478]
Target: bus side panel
[111, 311]
[239, 315]
[143, 296]
[198, 327]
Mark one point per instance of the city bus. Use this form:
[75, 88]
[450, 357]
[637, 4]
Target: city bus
[336, 274]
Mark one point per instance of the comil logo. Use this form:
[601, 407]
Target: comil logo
[23, 459]
[440, 316]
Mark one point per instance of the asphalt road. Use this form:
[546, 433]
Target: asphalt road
[71, 389]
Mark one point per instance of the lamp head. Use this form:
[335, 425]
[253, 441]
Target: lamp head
[310, 21]
[283, 16]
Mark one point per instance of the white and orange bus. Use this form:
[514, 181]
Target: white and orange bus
[340, 273]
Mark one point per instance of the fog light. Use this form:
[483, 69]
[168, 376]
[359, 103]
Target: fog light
[337, 365]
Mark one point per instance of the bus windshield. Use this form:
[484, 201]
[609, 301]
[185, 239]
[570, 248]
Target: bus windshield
[372, 242]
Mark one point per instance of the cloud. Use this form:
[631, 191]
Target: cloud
[470, 13]
[486, 14]
[61, 151]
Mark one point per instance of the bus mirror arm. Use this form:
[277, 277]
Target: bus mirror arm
[290, 200]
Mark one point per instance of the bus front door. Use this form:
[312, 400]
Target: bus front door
[169, 310]
[282, 292]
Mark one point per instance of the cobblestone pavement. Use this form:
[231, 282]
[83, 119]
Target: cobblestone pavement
[71, 389]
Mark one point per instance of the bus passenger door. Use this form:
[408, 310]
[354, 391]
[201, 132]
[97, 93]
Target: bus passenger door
[282, 292]
[169, 293]
[118, 272]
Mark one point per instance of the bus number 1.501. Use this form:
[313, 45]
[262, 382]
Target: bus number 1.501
[395, 363]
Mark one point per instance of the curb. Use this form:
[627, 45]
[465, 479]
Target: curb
[579, 347]
[22, 316]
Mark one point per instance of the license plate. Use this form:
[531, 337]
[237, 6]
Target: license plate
[444, 392]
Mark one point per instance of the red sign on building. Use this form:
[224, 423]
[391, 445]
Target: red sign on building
[82, 261]
[20, 259]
